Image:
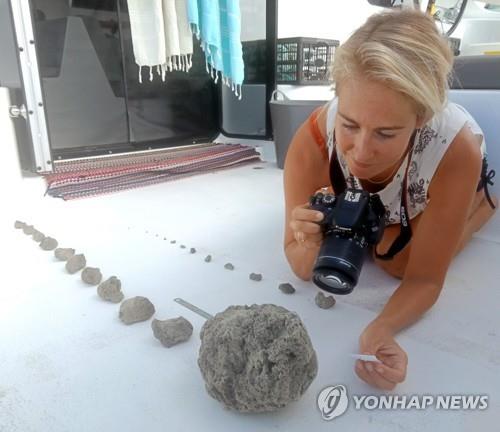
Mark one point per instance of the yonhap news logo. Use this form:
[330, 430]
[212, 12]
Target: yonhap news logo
[333, 401]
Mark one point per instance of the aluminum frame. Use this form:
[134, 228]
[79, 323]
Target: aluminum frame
[30, 76]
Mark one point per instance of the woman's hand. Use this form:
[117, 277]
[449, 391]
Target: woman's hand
[304, 223]
[378, 340]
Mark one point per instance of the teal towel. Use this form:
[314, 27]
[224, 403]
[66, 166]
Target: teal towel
[217, 24]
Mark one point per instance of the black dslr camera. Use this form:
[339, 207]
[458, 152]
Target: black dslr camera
[352, 221]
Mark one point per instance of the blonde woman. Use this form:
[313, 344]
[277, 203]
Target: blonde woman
[391, 121]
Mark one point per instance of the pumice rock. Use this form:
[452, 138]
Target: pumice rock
[48, 243]
[255, 277]
[76, 263]
[28, 229]
[38, 236]
[256, 358]
[172, 331]
[183, 246]
[91, 275]
[229, 266]
[208, 258]
[64, 254]
[286, 288]
[136, 309]
[111, 290]
[173, 241]
[192, 250]
[324, 302]
[19, 224]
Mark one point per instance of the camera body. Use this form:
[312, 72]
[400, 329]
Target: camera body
[352, 221]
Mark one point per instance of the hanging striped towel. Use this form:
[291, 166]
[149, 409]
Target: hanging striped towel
[217, 24]
[161, 35]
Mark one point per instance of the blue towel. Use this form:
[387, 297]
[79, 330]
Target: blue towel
[217, 24]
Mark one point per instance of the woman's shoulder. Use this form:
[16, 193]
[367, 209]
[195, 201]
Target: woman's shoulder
[447, 123]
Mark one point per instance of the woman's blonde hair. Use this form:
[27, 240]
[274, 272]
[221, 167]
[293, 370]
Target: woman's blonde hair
[403, 50]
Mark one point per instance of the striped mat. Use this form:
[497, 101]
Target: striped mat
[90, 177]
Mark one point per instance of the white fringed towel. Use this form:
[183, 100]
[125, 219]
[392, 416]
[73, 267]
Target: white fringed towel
[161, 35]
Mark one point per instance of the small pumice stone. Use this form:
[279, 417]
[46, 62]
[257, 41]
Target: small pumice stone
[324, 302]
[38, 236]
[286, 288]
[255, 277]
[111, 290]
[76, 263]
[91, 275]
[19, 224]
[136, 309]
[48, 244]
[64, 254]
[170, 332]
[28, 229]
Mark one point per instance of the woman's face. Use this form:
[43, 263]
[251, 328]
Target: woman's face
[373, 127]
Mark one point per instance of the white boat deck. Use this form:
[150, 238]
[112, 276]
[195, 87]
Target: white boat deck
[69, 364]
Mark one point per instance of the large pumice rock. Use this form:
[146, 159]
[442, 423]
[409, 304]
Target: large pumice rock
[110, 290]
[256, 358]
[172, 331]
[136, 309]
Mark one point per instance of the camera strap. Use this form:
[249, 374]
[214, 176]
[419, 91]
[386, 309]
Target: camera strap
[339, 185]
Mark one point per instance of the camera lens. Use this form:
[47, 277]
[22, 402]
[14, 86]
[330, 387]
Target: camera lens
[338, 265]
[332, 282]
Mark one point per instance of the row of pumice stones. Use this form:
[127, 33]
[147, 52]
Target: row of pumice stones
[136, 309]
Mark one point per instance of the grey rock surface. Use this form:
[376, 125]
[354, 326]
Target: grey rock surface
[256, 358]
[91, 275]
[173, 241]
[172, 331]
[48, 243]
[28, 229]
[76, 263]
[38, 236]
[192, 250]
[64, 254]
[136, 309]
[323, 301]
[208, 258]
[255, 277]
[229, 266]
[19, 224]
[111, 290]
[286, 288]
[183, 246]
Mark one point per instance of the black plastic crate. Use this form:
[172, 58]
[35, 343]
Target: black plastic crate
[304, 61]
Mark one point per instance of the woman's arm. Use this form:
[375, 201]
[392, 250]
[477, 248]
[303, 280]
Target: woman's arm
[306, 171]
[438, 233]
